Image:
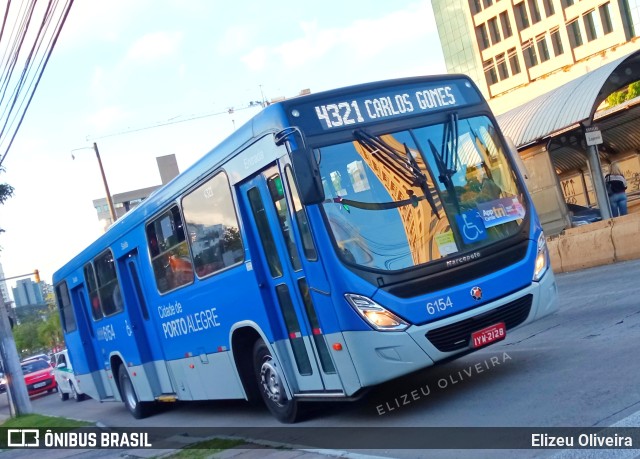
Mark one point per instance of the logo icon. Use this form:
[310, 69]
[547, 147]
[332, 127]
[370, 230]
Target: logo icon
[476, 293]
[23, 438]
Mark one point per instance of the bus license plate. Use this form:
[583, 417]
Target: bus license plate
[40, 384]
[489, 335]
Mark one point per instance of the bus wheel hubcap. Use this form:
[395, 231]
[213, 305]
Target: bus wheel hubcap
[129, 394]
[271, 384]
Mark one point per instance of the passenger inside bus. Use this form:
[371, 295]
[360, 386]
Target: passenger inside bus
[480, 187]
[181, 269]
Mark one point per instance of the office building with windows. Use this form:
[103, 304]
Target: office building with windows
[3, 288]
[27, 293]
[516, 50]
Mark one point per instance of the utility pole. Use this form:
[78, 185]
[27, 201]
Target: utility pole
[19, 402]
[112, 210]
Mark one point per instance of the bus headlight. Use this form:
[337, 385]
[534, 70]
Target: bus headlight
[374, 314]
[542, 259]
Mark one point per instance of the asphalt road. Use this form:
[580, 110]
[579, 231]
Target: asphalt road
[576, 368]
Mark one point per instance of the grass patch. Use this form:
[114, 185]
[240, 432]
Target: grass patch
[205, 448]
[200, 450]
[38, 421]
[35, 421]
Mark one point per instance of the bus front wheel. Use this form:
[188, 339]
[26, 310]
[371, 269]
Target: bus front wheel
[271, 385]
[137, 408]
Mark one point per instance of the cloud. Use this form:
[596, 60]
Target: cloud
[106, 118]
[257, 59]
[101, 21]
[360, 40]
[234, 39]
[154, 46]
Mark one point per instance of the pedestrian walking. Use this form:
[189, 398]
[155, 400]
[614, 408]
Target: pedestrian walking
[616, 189]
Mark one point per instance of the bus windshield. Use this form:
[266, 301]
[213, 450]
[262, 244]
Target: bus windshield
[410, 197]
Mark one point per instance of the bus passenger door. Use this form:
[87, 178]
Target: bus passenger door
[87, 349]
[137, 319]
[276, 259]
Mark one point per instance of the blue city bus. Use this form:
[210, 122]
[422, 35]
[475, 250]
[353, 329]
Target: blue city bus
[334, 242]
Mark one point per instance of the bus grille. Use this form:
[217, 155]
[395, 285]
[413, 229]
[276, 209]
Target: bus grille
[438, 277]
[457, 336]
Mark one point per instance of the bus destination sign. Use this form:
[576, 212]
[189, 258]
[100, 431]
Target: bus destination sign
[387, 104]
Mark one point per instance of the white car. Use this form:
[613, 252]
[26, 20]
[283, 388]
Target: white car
[67, 382]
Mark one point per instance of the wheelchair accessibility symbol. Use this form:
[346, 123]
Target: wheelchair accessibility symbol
[471, 226]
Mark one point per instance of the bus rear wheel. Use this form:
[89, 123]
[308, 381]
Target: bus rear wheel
[271, 386]
[137, 408]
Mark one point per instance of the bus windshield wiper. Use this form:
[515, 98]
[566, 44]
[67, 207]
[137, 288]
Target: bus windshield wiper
[402, 163]
[447, 158]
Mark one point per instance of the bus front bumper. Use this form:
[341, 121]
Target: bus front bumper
[382, 356]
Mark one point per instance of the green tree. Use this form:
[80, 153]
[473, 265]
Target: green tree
[634, 90]
[615, 98]
[26, 338]
[630, 92]
[6, 191]
[50, 331]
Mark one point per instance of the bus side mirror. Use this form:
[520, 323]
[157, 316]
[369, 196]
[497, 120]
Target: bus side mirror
[308, 177]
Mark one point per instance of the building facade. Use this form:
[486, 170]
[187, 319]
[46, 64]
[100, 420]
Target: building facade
[3, 288]
[516, 50]
[27, 293]
[124, 202]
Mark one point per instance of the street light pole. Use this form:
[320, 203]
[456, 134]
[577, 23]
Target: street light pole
[112, 210]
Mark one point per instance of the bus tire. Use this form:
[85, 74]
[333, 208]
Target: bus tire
[270, 385]
[137, 408]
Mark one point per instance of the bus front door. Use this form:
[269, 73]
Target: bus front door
[275, 256]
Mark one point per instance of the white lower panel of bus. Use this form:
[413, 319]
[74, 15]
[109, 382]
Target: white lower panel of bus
[382, 356]
[88, 386]
[205, 377]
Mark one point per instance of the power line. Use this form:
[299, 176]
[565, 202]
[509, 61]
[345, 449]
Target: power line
[23, 87]
[173, 120]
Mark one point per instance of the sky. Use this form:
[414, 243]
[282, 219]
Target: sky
[121, 67]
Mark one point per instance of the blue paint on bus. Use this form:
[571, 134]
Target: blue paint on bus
[335, 241]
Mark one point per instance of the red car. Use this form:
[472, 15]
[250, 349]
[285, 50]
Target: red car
[38, 375]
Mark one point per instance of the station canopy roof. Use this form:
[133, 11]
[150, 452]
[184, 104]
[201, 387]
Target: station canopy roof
[565, 108]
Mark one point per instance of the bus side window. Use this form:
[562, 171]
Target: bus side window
[172, 266]
[92, 287]
[108, 285]
[213, 227]
[301, 217]
[65, 307]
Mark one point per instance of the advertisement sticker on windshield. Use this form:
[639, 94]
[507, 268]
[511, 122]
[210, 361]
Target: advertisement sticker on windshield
[500, 211]
[446, 243]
